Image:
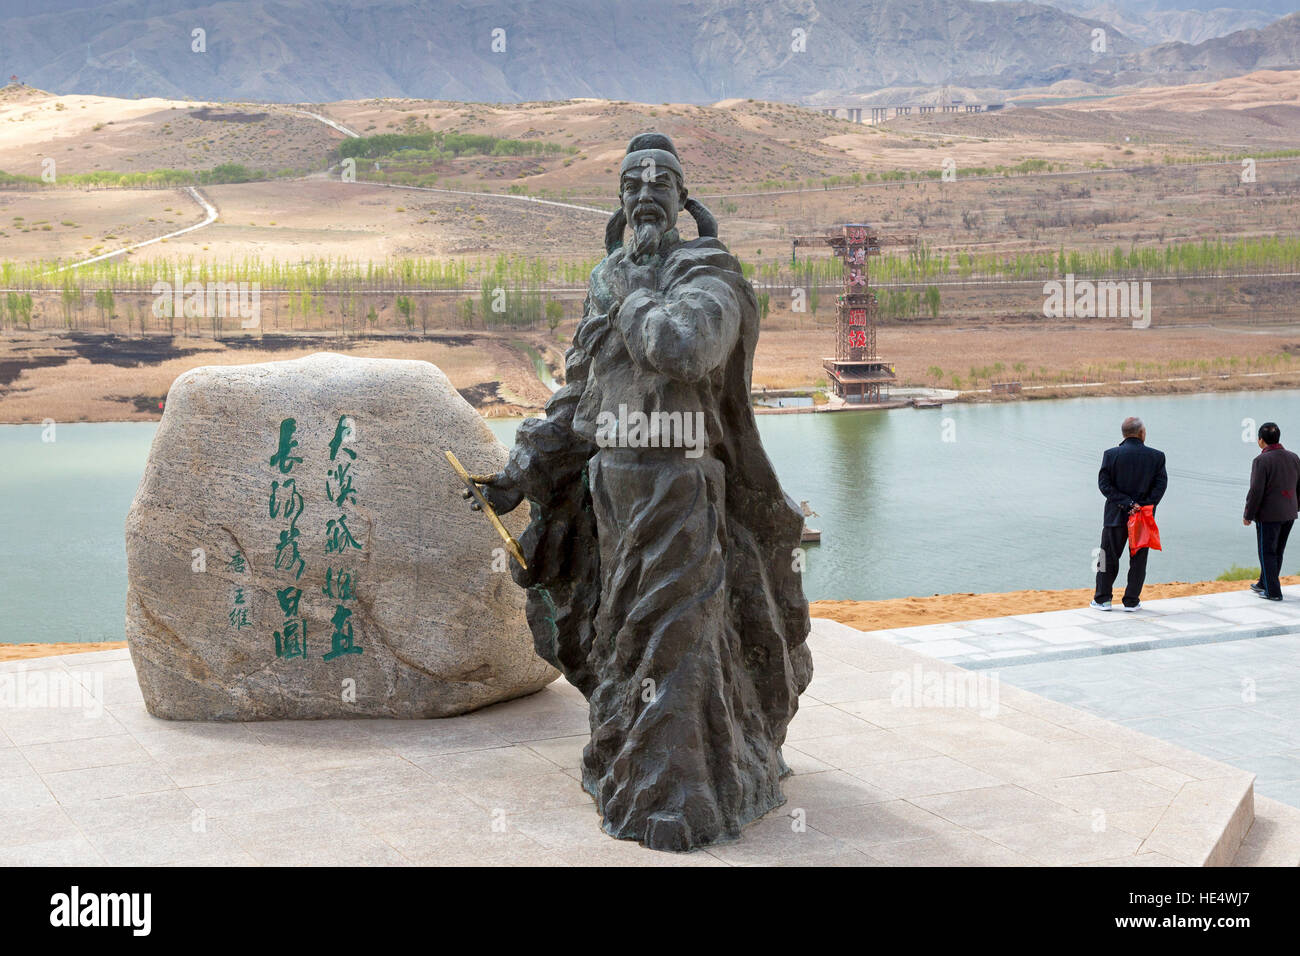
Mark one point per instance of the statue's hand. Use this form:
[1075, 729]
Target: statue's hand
[500, 493]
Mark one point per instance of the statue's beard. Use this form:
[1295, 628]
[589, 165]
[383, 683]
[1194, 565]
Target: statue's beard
[645, 240]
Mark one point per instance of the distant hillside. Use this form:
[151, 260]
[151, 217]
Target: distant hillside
[646, 50]
[1274, 47]
[1151, 22]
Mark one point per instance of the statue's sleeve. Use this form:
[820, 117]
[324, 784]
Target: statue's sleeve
[689, 329]
[548, 455]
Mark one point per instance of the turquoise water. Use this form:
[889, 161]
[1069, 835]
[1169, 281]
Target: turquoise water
[63, 505]
[1010, 502]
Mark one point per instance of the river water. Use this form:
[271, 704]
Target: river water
[911, 502]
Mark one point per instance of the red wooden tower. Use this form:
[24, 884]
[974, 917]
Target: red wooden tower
[856, 372]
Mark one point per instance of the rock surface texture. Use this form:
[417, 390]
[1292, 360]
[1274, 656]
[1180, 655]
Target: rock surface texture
[298, 548]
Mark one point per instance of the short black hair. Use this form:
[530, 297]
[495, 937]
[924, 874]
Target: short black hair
[1270, 433]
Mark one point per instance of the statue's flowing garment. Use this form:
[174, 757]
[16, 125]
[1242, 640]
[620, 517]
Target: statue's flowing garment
[664, 582]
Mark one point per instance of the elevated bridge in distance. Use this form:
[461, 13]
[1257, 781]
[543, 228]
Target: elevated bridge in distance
[878, 114]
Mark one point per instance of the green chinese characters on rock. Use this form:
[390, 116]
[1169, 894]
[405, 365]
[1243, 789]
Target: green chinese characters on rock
[286, 502]
[339, 582]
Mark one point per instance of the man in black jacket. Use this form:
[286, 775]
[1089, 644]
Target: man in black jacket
[1271, 504]
[1132, 475]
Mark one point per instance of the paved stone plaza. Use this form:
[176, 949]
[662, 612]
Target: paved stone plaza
[883, 776]
[1218, 674]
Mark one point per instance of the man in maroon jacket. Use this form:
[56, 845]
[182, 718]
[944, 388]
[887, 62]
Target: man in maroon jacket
[1271, 504]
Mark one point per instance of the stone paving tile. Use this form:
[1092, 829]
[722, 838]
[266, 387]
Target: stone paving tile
[950, 648]
[849, 750]
[136, 812]
[854, 685]
[521, 794]
[925, 633]
[1140, 822]
[43, 725]
[957, 733]
[923, 776]
[778, 837]
[455, 844]
[873, 824]
[97, 657]
[987, 807]
[1193, 620]
[627, 853]
[157, 846]
[1109, 792]
[1014, 641]
[563, 752]
[65, 851]
[209, 768]
[353, 849]
[36, 825]
[994, 625]
[1050, 760]
[114, 780]
[384, 774]
[1188, 694]
[798, 761]
[823, 721]
[1287, 791]
[1068, 634]
[34, 664]
[1064, 842]
[431, 803]
[494, 764]
[240, 797]
[830, 790]
[74, 755]
[963, 849]
[875, 783]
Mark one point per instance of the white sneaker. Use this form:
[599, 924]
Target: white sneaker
[1135, 607]
[1100, 607]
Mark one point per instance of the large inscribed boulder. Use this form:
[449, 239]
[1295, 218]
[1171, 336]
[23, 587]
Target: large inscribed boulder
[298, 548]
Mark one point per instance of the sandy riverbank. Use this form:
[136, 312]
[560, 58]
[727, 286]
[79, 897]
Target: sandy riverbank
[944, 608]
[864, 615]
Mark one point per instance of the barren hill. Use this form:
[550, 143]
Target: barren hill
[520, 50]
[1260, 89]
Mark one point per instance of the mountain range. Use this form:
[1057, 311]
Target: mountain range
[648, 50]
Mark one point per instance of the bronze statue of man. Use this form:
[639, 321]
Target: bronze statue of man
[662, 553]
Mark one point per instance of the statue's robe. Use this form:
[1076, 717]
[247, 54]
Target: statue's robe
[666, 586]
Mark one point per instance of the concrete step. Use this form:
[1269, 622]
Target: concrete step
[1136, 800]
[1274, 838]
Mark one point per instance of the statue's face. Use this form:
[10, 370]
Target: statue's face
[651, 199]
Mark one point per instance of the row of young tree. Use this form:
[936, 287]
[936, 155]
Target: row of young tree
[314, 275]
[917, 265]
[347, 312]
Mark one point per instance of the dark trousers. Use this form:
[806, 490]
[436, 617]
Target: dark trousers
[1114, 542]
[1271, 537]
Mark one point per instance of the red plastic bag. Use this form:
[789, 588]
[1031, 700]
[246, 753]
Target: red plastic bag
[1142, 530]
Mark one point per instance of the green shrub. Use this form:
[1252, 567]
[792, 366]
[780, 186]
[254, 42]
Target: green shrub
[1236, 573]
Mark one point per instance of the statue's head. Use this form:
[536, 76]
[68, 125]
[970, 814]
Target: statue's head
[652, 190]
